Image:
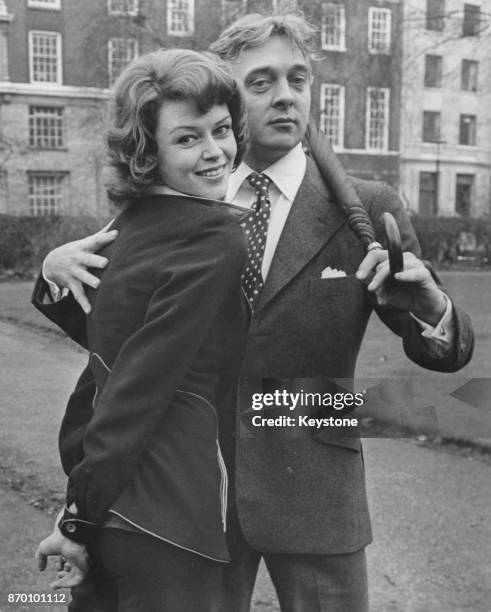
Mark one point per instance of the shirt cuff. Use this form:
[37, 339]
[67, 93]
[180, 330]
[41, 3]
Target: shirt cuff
[55, 293]
[443, 332]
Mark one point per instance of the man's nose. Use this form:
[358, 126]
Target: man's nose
[283, 97]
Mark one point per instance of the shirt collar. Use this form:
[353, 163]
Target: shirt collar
[287, 174]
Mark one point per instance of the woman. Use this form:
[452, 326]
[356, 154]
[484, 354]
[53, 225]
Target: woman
[165, 336]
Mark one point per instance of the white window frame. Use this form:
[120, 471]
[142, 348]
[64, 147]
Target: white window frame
[132, 12]
[175, 5]
[59, 59]
[472, 131]
[50, 5]
[113, 74]
[374, 12]
[46, 123]
[54, 204]
[341, 44]
[327, 120]
[469, 63]
[368, 124]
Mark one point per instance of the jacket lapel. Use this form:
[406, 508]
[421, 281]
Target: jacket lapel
[313, 221]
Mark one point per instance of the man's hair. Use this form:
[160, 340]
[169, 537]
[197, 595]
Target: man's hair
[139, 92]
[254, 30]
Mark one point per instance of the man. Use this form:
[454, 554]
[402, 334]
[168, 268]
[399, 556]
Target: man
[298, 502]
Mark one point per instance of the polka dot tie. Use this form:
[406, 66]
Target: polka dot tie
[255, 226]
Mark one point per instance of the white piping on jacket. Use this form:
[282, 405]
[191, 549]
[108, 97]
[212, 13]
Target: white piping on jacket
[221, 463]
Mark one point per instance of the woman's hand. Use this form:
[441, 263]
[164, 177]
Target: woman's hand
[72, 563]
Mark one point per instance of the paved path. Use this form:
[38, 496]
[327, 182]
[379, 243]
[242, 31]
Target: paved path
[430, 509]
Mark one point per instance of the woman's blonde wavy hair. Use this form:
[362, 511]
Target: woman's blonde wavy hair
[139, 92]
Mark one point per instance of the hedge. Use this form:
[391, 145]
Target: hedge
[24, 241]
[440, 236]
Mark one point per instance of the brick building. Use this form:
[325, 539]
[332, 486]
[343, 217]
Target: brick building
[446, 107]
[356, 92]
[58, 59]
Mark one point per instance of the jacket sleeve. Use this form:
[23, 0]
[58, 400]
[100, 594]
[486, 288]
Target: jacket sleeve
[66, 313]
[77, 415]
[191, 285]
[415, 346]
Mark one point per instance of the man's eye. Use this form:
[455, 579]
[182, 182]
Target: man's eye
[298, 82]
[260, 84]
[223, 130]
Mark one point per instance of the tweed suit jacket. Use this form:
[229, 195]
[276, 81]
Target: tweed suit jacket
[303, 494]
[306, 494]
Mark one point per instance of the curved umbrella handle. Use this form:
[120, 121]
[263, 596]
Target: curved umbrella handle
[394, 243]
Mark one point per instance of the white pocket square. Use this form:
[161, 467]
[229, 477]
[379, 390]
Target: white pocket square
[332, 273]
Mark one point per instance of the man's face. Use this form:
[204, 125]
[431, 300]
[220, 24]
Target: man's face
[275, 79]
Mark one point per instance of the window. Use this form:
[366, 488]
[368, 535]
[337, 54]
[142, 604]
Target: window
[467, 130]
[431, 126]
[45, 57]
[435, 15]
[379, 30]
[120, 53]
[332, 113]
[44, 4]
[47, 192]
[464, 189]
[232, 10]
[433, 71]
[46, 127]
[428, 193]
[472, 20]
[3, 191]
[469, 73]
[180, 17]
[377, 137]
[122, 7]
[333, 29]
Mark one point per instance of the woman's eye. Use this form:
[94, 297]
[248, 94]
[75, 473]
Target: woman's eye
[186, 140]
[223, 130]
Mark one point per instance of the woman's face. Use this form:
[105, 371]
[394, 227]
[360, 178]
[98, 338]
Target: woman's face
[196, 151]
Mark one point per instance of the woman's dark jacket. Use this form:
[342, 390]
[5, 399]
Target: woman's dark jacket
[166, 338]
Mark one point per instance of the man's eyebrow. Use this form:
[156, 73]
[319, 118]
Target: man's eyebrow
[303, 67]
[271, 70]
[260, 70]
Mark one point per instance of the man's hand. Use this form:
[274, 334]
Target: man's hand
[67, 265]
[72, 563]
[415, 289]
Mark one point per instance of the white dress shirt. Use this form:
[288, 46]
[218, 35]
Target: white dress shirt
[286, 177]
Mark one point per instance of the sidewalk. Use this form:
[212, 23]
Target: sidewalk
[428, 508]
